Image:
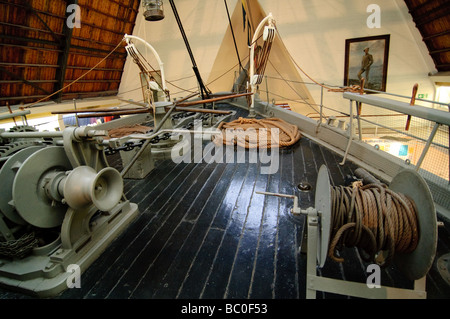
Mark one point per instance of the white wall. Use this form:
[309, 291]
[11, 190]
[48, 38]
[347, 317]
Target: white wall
[314, 32]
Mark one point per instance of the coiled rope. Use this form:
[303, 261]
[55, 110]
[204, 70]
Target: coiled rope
[245, 132]
[375, 220]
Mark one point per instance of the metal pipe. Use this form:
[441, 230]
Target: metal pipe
[140, 111]
[350, 138]
[13, 115]
[76, 115]
[226, 97]
[321, 109]
[179, 109]
[427, 146]
[95, 111]
[406, 97]
[117, 113]
[179, 131]
[79, 132]
[31, 134]
[358, 117]
[422, 112]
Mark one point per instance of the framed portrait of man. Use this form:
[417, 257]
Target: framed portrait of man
[367, 58]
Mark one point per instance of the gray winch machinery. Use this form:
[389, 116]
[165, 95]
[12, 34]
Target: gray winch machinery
[61, 206]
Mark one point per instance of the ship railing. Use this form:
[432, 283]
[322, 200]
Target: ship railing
[380, 119]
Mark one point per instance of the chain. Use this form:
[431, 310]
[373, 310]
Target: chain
[129, 146]
[18, 248]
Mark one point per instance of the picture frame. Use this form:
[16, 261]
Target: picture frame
[376, 58]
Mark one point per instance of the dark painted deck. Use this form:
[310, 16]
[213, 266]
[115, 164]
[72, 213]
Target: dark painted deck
[202, 232]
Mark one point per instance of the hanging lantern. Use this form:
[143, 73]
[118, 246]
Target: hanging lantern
[153, 10]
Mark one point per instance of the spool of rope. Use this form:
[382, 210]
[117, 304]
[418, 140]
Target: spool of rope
[241, 129]
[375, 220]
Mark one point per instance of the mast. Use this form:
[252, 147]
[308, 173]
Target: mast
[203, 90]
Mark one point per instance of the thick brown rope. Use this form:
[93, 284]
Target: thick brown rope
[245, 132]
[128, 130]
[375, 220]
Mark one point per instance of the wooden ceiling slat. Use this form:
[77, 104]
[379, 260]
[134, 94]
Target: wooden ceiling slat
[434, 35]
[28, 28]
[433, 15]
[36, 49]
[21, 6]
[432, 19]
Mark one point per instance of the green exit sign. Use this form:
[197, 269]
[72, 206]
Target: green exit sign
[422, 96]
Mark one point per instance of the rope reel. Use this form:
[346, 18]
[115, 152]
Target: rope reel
[396, 224]
[374, 219]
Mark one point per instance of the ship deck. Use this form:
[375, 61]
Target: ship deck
[203, 232]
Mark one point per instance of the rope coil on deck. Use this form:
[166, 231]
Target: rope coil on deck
[241, 130]
[374, 219]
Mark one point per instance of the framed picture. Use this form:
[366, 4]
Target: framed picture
[367, 58]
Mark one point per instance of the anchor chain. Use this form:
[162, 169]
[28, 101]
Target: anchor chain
[18, 248]
[129, 146]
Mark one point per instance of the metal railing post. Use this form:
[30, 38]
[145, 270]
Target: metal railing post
[321, 110]
[427, 146]
[350, 138]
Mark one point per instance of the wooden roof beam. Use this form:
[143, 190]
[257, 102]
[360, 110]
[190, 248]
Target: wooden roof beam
[10, 98]
[21, 79]
[26, 65]
[439, 51]
[435, 35]
[34, 11]
[27, 81]
[27, 40]
[64, 55]
[439, 12]
[29, 28]
[108, 14]
[125, 6]
[60, 17]
[78, 47]
[29, 65]
[26, 8]
[28, 47]
[418, 7]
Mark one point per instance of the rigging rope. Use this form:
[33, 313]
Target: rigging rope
[234, 38]
[353, 88]
[82, 76]
[293, 89]
[245, 132]
[375, 220]
[263, 56]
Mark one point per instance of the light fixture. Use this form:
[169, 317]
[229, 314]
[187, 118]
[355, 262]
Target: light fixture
[153, 10]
